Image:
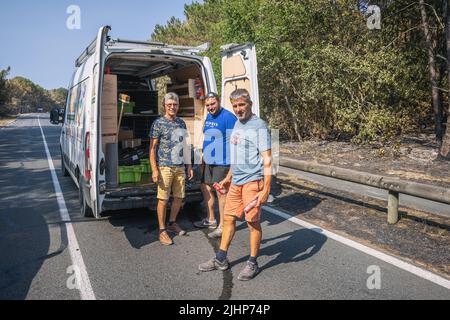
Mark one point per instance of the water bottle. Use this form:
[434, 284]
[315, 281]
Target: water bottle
[251, 205]
[219, 189]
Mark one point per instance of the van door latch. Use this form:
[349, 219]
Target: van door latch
[102, 187]
[102, 167]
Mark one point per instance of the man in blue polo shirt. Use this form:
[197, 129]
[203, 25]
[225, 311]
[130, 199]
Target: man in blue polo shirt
[216, 158]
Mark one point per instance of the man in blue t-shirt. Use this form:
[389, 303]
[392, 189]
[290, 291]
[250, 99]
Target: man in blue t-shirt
[216, 158]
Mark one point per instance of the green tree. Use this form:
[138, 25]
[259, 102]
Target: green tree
[25, 93]
[3, 93]
[445, 147]
[322, 72]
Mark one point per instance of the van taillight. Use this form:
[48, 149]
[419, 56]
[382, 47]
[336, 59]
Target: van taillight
[87, 163]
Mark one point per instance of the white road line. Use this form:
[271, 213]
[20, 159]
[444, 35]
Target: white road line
[86, 291]
[372, 252]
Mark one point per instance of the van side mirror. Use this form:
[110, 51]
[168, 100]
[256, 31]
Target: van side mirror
[61, 115]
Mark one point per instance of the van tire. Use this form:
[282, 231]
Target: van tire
[85, 210]
[64, 171]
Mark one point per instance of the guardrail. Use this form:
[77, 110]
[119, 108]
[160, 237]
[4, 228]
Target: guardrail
[394, 186]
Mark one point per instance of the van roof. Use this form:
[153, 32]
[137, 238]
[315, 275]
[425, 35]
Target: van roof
[124, 45]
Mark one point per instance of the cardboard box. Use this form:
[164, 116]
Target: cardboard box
[195, 131]
[199, 109]
[126, 135]
[131, 143]
[109, 96]
[106, 139]
[109, 109]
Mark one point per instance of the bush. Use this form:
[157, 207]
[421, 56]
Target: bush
[318, 57]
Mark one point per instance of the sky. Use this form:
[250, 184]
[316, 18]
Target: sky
[37, 44]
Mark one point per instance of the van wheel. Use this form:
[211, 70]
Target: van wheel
[85, 210]
[64, 171]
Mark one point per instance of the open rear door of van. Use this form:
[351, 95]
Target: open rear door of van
[97, 158]
[239, 71]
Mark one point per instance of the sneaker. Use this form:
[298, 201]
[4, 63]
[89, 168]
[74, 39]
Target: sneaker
[249, 272]
[164, 239]
[205, 223]
[214, 264]
[216, 233]
[175, 228]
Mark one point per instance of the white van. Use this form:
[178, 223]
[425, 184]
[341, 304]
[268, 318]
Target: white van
[96, 140]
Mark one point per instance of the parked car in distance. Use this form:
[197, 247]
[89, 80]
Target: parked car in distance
[57, 115]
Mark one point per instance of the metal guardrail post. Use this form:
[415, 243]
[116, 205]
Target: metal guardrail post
[393, 202]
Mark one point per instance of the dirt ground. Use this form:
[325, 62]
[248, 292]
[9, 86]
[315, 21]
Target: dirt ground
[411, 157]
[4, 121]
[419, 238]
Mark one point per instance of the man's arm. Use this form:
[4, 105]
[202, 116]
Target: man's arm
[225, 183]
[155, 173]
[230, 124]
[264, 194]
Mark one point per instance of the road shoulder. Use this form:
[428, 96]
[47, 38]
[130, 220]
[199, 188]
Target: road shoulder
[419, 238]
[6, 121]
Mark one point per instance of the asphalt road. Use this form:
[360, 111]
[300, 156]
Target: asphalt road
[434, 207]
[124, 260]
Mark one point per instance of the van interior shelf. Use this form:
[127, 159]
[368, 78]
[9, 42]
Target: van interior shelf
[140, 115]
[177, 87]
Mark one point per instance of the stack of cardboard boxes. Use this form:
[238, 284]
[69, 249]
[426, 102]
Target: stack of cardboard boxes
[109, 110]
[109, 128]
[126, 138]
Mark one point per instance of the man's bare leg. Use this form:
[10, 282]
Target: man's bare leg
[255, 238]
[251, 269]
[175, 209]
[222, 200]
[163, 236]
[209, 200]
[161, 210]
[218, 232]
[229, 229]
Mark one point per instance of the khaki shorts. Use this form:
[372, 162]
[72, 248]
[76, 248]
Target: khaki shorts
[171, 180]
[240, 196]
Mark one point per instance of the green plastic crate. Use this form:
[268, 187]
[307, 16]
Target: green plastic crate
[137, 173]
[147, 167]
[126, 175]
[130, 174]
